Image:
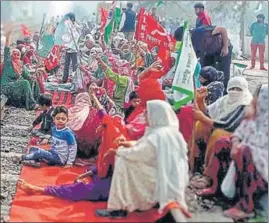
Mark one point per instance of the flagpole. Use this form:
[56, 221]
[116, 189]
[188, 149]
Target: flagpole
[40, 32]
[37, 45]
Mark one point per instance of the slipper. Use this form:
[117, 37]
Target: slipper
[237, 214]
[206, 192]
[111, 214]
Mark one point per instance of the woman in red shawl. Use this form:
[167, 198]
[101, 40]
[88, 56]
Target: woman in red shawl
[28, 55]
[16, 83]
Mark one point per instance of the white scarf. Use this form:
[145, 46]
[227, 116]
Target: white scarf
[172, 164]
[254, 134]
[227, 104]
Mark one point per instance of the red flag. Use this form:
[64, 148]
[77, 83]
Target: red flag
[151, 32]
[53, 58]
[165, 57]
[25, 31]
[104, 15]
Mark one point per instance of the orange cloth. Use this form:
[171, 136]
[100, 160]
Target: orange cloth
[44, 208]
[113, 128]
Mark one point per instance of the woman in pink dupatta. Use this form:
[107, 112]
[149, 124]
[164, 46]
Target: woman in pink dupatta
[84, 120]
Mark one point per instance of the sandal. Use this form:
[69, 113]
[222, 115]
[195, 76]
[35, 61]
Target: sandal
[237, 214]
[206, 192]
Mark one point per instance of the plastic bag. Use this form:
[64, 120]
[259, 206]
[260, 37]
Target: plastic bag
[228, 184]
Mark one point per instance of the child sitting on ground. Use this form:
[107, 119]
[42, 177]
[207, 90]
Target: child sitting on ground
[63, 147]
[45, 117]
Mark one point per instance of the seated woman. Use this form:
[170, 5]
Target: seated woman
[124, 85]
[83, 120]
[220, 162]
[224, 116]
[91, 69]
[20, 88]
[28, 57]
[161, 154]
[212, 80]
[250, 154]
[148, 90]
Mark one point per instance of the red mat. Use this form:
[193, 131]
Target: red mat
[42, 208]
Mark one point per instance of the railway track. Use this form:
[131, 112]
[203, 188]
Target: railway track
[14, 140]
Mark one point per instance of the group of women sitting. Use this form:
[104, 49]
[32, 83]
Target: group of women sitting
[143, 161]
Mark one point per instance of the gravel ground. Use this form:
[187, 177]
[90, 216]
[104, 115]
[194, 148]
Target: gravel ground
[14, 138]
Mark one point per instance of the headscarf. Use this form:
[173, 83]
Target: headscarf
[230, 102]
[211, 74]
[16, 61]
[254, 133]
[214, 82]
[149, 89]
[79, 113]
[215, 91]
[171, 149]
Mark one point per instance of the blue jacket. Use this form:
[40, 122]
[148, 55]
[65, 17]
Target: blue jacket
[129, 24]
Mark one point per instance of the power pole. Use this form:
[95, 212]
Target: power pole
[242, 26]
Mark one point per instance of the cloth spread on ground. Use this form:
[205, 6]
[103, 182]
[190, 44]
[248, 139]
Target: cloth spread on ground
[43, 208]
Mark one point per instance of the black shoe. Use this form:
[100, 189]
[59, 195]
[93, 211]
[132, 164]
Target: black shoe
[168, 218]
[111, 214]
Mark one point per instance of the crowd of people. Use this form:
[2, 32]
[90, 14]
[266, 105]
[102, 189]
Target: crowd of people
[146, 154]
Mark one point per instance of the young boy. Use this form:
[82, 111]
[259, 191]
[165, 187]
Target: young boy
[45, 118]
[63, 147]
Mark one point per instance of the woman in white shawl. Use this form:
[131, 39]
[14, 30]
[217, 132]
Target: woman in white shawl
[153, 170]
[217, 120]
[250, 153]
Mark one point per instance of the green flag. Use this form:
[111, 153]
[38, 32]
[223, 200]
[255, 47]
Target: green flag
[183, 83]
[117, 18]
[113, 21]
[160, 2]
[45, 45]
[109, 26]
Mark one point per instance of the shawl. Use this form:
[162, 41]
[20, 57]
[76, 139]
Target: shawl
[171, 149]
[148, 89]
[211, 74]
[78, 114]
[16, 61]
[253, 133]
[113, 129]
[227, 104]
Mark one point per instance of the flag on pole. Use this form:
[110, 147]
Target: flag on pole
[159, 3]
[117, 17]
[151, 32]
[183, 83]
[113, 21]
[45, 45]
[53, 59]
[104, 15]
[66, 34]
[109, 26]
[25, 31]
